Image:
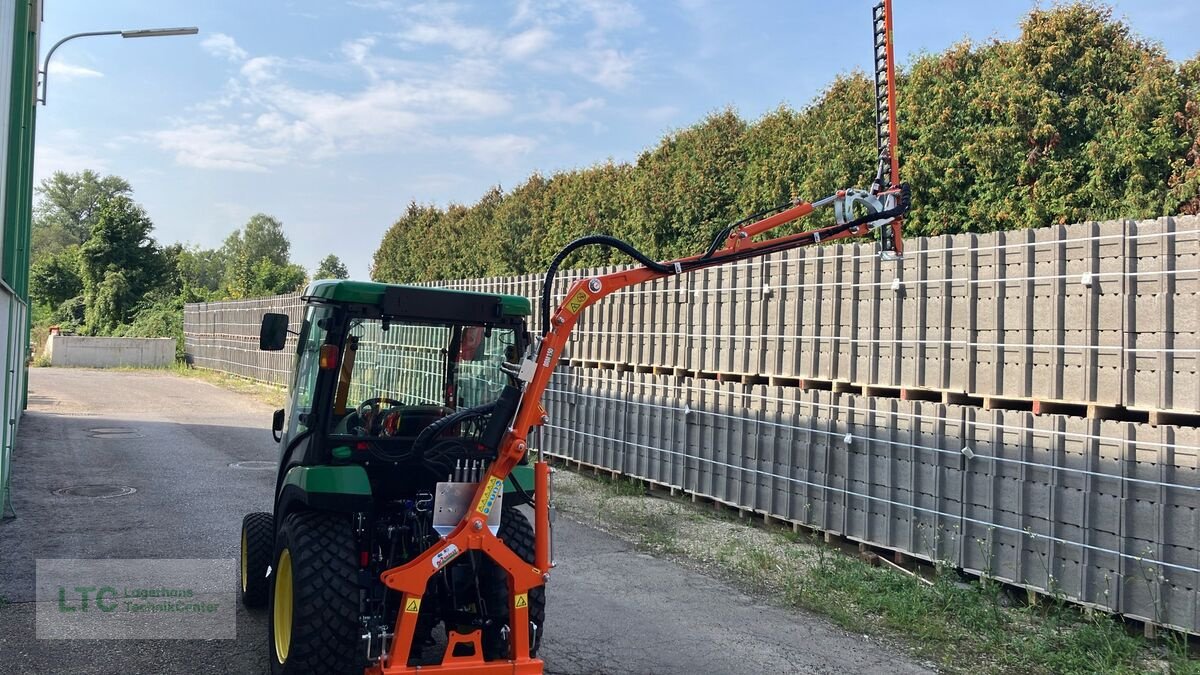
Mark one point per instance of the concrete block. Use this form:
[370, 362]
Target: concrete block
[74, 351]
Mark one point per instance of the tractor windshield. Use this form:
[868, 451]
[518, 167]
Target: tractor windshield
[396, 378]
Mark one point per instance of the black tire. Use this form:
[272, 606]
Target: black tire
[517, 534]
[322, 563]
[258, 543]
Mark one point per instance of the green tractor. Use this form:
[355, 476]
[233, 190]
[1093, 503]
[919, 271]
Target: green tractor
[392, 409]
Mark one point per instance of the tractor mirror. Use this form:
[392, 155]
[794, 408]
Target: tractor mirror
[273, 333]
[277, 425]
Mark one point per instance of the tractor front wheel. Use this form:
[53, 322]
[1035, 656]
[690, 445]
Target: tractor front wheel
[517, 534]
[258, 533]
[314, 625]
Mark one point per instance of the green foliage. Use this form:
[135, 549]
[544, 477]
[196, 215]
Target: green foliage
[54, 278]
[1077, 119]
[118, 264]
[256, 260]
[114, 279]
[67, 209]
[331, 267]
[158, 315]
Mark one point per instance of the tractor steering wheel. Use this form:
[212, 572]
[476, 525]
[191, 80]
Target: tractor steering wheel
[372, 406]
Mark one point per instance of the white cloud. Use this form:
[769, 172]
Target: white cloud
[607, 67]
[223, 46]
[217, 147]
[552, 109]
[277, 111]
[67, 71]
[527, 43]
[261, 69]
[357, 50]
[52, 157]
[449, 33]
[497, 149]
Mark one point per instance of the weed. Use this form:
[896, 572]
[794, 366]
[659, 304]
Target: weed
[963, 626]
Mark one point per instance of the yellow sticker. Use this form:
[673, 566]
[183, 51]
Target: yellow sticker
[413, 605]
[494, 486]
[522, 600]
[577, 301]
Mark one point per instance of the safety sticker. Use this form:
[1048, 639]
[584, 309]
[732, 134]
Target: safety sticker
[413, 605]
[494, 486]
[577, 301]
[444, 556]
[522, 600]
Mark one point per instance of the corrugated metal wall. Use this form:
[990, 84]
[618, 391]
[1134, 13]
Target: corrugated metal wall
[20, 21]
[1018, 404]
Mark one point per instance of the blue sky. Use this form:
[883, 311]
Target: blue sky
[334, 115]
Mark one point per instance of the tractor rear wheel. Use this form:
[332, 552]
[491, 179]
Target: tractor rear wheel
[314, 625]
[258, 535]
[517, 534]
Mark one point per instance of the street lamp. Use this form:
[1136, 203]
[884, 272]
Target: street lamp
[137, 33]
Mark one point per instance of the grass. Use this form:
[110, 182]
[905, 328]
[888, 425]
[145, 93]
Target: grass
[960, 625]
[266, 393]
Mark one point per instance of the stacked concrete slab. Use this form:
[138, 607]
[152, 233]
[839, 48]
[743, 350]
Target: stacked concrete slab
[1098, 512]
[224, 336]
[1093, 313]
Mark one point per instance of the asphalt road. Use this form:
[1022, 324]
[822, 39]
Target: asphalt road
[610, 609]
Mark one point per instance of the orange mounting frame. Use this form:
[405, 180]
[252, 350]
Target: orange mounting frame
[472, 533]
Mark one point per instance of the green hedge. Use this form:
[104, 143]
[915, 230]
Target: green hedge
[1077, 119]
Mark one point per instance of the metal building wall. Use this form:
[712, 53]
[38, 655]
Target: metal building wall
[20, 22]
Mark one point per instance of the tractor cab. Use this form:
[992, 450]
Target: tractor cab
[376, 365]
[388, 428]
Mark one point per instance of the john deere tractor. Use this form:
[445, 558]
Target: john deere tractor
[397, 402]
[404, 470]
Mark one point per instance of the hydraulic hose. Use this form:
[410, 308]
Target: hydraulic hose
[903, 203]
[590, 240]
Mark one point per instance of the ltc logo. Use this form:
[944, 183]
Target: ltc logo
[82, 599]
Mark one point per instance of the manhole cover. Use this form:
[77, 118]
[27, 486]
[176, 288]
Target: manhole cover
[113, 432]
[95, 491]
[253, 464]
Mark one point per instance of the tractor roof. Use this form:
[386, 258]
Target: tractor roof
[372, 293]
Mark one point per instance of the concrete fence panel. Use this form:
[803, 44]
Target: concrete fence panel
[1022, 405]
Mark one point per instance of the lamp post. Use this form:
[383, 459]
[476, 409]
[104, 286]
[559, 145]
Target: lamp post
[137, 33]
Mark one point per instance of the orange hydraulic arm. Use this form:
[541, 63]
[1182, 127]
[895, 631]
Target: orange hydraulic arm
[473, 534]
[882, 208]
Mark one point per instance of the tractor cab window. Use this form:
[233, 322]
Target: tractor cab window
[312, 335]
[397, 378]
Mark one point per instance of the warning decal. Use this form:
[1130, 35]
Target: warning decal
[522, 600]
[413, 605]
[494, 486]
[577, 301]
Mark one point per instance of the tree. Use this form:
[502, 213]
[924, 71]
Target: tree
[54, 279]
[199, 271]
[118, 264]
[68, 206]
[331, 267]
[256, 260]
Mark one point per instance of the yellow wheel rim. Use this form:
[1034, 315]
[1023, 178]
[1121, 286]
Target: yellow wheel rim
[245, 572]
[282, 612]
